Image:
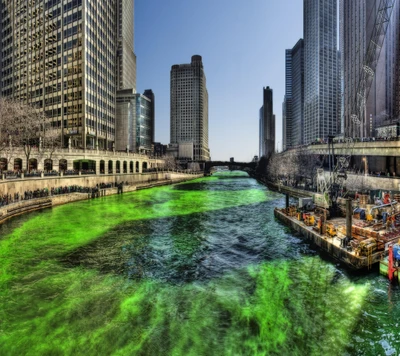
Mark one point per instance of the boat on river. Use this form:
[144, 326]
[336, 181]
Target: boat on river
[365, 245]
[389, 266]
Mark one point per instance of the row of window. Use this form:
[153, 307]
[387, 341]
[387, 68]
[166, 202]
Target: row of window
[72, 4]
[72, 31]
[50, 3]
[72, 18]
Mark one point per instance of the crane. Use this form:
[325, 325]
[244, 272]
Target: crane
[366, 76]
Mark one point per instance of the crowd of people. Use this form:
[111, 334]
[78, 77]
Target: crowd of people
[7, 199]
[382, 174]
[47, 173]
[357, 139]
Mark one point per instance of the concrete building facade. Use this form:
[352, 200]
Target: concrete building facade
[189, 110]
[126, 61]
[148, 93]
[135, 120]
[357, 18]
[144, 128]
[68, 58]
[392, 59]
[287, 115]
[293, 105]
[267, 124]
[321, 69]
[298, 93]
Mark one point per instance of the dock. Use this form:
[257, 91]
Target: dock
[331, 245]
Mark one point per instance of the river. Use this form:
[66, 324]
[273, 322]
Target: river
[198, 268]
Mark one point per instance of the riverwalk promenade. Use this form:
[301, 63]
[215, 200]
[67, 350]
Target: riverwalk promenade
[71, 159]
[124, 182]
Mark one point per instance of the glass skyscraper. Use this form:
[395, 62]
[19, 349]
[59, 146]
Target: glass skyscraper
[287, 118]
[293, 105]
[297, 93]
[357, 18]
[135, 125]
[321, 93]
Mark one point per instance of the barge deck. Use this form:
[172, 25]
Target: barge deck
[331, 245]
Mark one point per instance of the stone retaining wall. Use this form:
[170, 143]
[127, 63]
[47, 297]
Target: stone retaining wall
[22, 185]
[361, 182]
[145, 181]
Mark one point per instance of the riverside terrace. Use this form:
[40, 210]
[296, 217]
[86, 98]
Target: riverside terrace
[372, 156]
[77, 161]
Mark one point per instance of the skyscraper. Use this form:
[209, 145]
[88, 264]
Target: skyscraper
[267, 124]
[135, 129]
[189, 110]
[392, 59]
[298, 93]
[357, 18]
[287, 118]
[321, 69]
[68, 58]
[148, 93]
[126, 63]
[293, 105]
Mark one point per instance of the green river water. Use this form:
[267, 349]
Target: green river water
[199, 268]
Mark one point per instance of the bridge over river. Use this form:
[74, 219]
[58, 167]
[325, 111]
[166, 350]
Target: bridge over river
[232, 165]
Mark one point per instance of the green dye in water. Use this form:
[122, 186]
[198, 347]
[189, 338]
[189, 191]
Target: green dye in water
[274, 306]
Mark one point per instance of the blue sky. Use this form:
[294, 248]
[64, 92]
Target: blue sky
[242, 43]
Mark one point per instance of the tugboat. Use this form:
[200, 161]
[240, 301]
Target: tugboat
[390, 264]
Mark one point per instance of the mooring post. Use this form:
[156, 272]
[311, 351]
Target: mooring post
[349, 215]
[287, 201]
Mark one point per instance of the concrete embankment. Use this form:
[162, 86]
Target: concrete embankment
[143, 181]
[354, 183]
[293, 192]
[10, 187]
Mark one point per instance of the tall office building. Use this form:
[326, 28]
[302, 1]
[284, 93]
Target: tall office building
[261, 134]
[392, 59]
[293, 105]
[298, 93]
[126, 61]
[148, 93]
[64, 57]
[287, 118]
[321, 69]
[126, 120]
[341, 126]
[144, 128]
[357, 18]
[267, 124]
[135, 128]
[189, 110]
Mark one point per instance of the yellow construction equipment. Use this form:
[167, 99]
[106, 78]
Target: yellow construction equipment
[331, 230]
[367, 247]
[309, 220]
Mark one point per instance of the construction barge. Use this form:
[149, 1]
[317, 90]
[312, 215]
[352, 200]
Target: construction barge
[359, 235]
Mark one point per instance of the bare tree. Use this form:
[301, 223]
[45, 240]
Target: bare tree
[22, 126]
[274, 167]
[170, 162]
[294, 166]
[308, 164]
[49, 143]
[9, 110]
